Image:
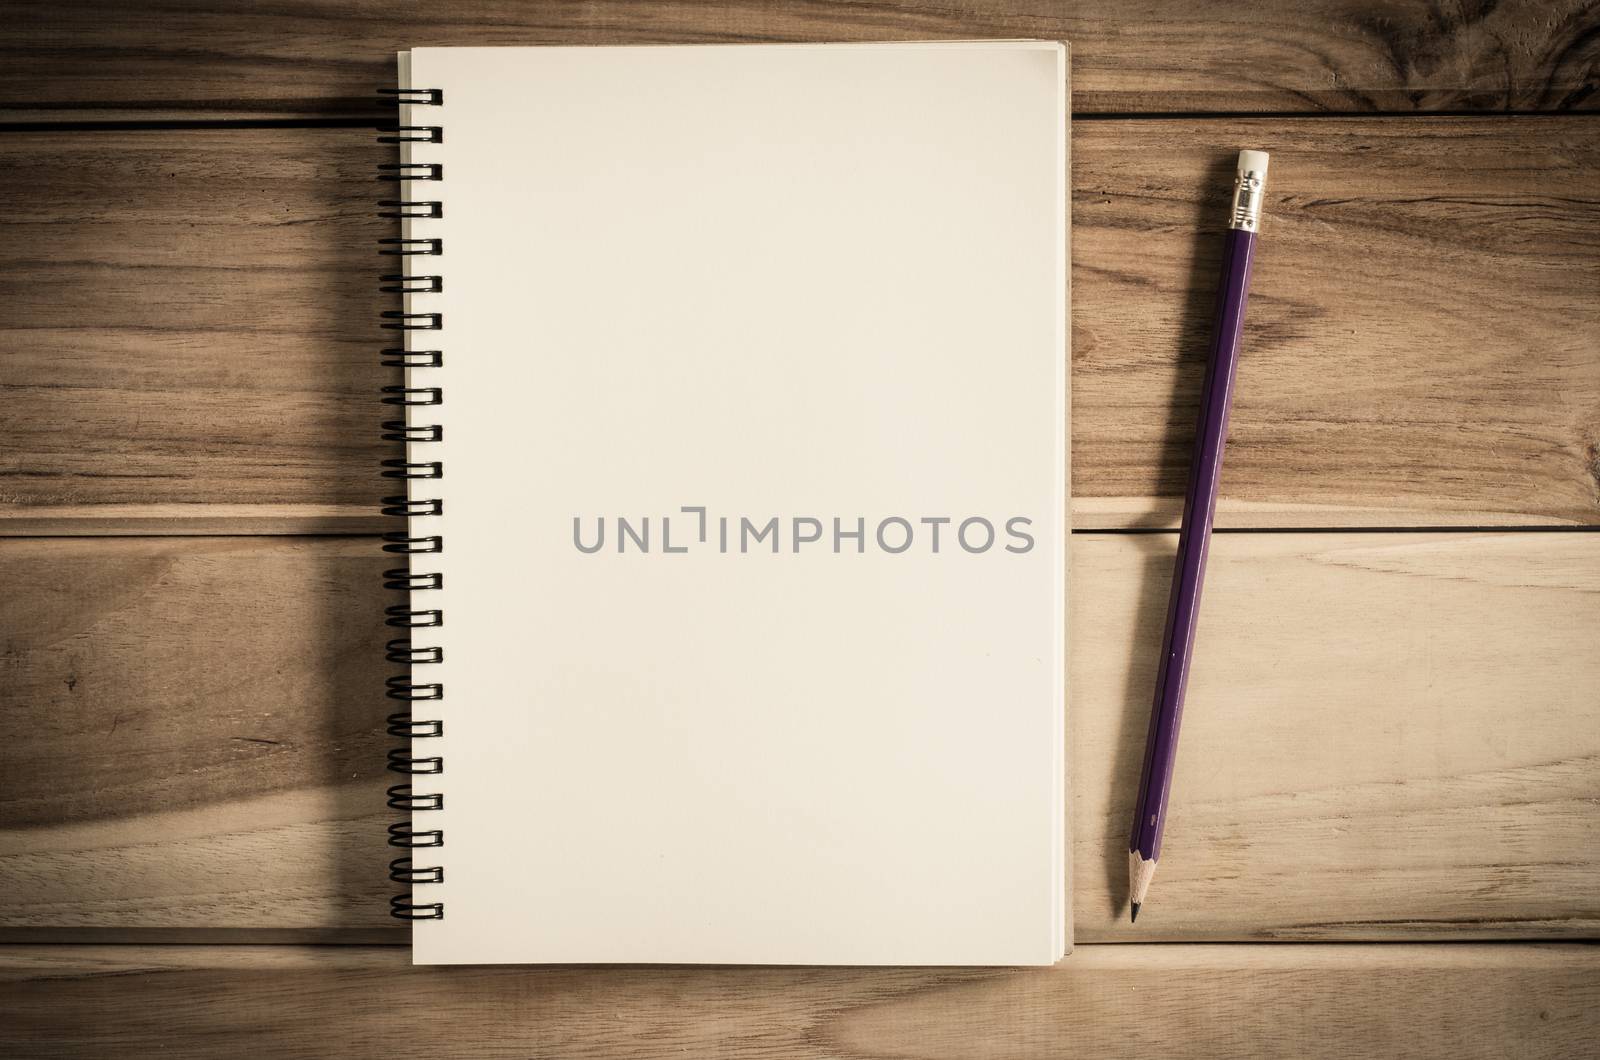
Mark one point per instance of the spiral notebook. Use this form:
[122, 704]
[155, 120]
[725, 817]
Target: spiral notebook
[731, 619]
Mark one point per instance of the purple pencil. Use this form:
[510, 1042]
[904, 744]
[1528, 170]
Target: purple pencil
[1194, 536]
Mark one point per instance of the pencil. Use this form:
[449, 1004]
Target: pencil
[1194, 534]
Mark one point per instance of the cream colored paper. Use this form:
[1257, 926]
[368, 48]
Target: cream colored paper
[808, 282]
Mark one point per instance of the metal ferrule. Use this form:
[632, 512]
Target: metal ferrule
[1249, 188]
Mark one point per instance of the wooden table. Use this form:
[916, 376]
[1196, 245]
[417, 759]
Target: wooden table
[192, 848]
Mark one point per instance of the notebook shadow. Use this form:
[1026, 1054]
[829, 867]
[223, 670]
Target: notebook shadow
[351, 669]
[1157, 553]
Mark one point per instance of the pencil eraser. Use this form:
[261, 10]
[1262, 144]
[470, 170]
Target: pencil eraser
[1253, 161]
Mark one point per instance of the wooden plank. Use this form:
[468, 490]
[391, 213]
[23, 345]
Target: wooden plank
[1348, 766]
[324, 57]
[190, 340]
[195, 742]
[193, 339]
[1423, 341]
[1196, 1002]
[217, 704]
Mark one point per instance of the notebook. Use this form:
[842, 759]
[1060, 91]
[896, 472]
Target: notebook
[730, 605]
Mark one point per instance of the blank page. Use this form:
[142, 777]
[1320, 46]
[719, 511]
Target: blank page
[754, 448]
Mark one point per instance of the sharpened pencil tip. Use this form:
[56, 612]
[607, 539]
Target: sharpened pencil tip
[1134, 918]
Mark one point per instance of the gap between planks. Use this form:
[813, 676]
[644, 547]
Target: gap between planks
[115, 125]
[1092, 514]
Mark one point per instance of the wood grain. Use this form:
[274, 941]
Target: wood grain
[187, 58]
[1423, 347]
[1387, 736]
[217, 705]
[1197, 1002]
[194, 739]
[1423, 340]
[200, 310]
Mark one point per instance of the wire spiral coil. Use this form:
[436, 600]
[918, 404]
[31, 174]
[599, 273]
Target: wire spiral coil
[408, 688]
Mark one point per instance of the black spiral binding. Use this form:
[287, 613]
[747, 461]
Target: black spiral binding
[408, 688]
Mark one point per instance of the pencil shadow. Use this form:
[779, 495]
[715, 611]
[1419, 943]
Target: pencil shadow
[1158, 552]
[1155, 578]
[1193, 332]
